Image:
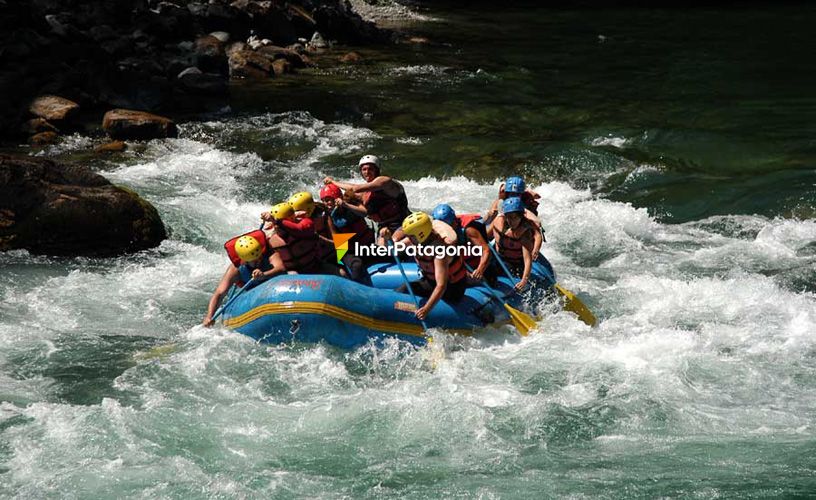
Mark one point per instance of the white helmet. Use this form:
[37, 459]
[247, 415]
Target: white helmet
[369, 159]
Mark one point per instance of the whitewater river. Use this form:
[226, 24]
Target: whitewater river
[676, 170]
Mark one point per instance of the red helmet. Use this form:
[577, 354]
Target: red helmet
[330, 191]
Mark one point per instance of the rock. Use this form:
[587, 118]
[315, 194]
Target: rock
[43, 138]
[281, 67]
[37, 125]
[222, 36]
[55, 208]
[249, 64]
[210, 55]
[111, 147]
[318, 42]
[57, 27]
[274, 52]
[53, 108]
[189, 71]
[130, 124]
[102, 33]
[351, 58]
[197, 82]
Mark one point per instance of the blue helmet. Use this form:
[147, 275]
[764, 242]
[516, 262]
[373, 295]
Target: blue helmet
[514, 185]
[514, 204]
[445, 213]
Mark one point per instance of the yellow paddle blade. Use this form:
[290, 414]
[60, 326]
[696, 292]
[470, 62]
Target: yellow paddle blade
[522, 321]
[574, 304]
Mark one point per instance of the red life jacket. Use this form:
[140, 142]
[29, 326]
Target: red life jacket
[245, 271]
[456, 268]
[229, 246]
[299, 247]
[382, 208]
[510, 247]
[474, 221]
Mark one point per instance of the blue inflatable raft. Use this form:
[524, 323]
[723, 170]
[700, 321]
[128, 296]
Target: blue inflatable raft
[314, 308]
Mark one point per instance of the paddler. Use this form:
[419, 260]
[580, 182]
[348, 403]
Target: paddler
[305, 206]
[443, 276]
[347, 215]
[514, 187]
[515, 239]
[251, 259]
[295, 240]
[470, 232]
[384, 198]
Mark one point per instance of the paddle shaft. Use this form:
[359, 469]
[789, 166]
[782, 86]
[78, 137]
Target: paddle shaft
[405, 278]
[230, 301]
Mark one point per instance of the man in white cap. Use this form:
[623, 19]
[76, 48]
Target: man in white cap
[384, 198]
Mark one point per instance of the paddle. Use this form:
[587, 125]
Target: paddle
[230, 301]
[571, 302]
[405, 279]
[522, 321]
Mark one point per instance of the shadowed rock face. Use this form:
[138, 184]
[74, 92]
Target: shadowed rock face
[63, 209]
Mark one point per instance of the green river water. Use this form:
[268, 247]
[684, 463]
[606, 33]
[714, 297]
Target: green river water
[675, 152]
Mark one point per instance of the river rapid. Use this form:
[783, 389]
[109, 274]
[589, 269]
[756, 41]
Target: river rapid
[674, 155]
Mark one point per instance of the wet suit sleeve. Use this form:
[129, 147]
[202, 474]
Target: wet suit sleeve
[303, 227]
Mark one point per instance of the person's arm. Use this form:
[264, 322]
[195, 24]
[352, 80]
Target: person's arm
[378, 184]
[478, 240]
[230, 277]
[357, 209]
[342, 185]
[441, 277]
[491, 215]
[528, 266]
[277, 268]
[302, 227]
[538, 239]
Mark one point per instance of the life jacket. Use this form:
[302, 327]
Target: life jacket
[382, 208]
[474, 221]
[244, 270]
[297, 244]
[347, 221]
[456, 268]
[320, 219]
[229, 246]
[509, 246]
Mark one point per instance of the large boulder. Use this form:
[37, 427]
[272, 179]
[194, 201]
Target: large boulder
[55, 208]
[129, 124]
[53, 108]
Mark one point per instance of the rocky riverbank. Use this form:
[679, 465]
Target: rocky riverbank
[56, 208]
[163, 57]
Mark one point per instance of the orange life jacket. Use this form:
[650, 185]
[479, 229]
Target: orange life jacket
[456, 268]
[509, 246]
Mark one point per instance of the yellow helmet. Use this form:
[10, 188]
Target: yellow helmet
[248, 249]
[282, 211]
[303, 201]
[418, 225]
